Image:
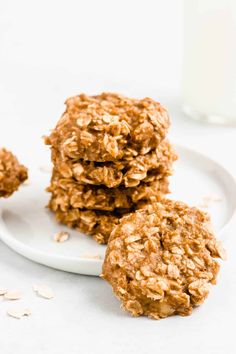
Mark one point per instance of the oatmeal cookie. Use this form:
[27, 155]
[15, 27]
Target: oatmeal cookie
[109, 127]
[67, 193]
[160, 260]
[128, 173]
[12, 174]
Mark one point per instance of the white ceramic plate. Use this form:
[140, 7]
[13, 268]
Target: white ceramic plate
[28, 227]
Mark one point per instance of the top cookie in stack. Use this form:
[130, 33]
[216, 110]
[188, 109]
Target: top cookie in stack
[110, 157]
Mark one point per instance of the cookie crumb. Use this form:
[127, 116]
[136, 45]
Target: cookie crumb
[221, 251]
[91, 256]
[61, 236]
[3, 291]
[207, 200]
[26, 183]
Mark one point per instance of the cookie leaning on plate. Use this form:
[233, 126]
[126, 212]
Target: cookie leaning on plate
[160, 260]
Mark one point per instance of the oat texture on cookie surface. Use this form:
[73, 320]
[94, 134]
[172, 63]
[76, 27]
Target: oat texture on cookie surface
[160, 260]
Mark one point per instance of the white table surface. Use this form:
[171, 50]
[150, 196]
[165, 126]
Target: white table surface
[85, 317]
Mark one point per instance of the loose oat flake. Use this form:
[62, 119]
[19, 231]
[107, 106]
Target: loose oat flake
[3, 291]
[61, 236]
[18, 312]
[207, 200]
[44, 291]
[12, 295]
[91, 256]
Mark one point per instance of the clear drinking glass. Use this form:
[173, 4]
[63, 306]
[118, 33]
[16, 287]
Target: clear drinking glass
[209, 66]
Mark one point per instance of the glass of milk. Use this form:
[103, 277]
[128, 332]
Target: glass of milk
[209, 66]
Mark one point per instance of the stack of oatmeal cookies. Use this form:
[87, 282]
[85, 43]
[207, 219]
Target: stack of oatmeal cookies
[110, 156]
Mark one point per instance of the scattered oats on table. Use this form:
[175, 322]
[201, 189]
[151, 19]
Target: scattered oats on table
[12, 295]
[44, 291]
[12, 174]
[18, 312]
[160, 260]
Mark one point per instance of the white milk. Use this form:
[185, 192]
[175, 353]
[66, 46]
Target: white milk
[209, 67]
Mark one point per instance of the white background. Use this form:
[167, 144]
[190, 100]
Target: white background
[53, 49]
